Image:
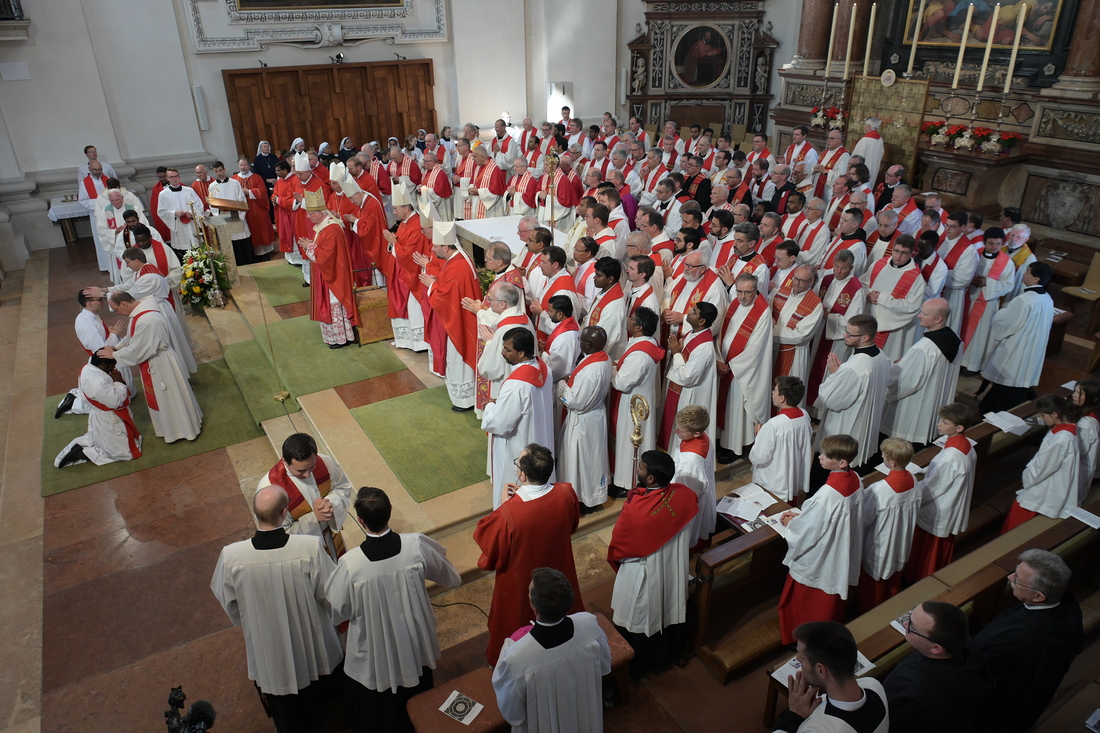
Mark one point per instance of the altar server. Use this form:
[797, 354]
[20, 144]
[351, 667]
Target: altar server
[582, 450]
[890, 508]
[173, 409]
[378, 587]
[273, 586]
[694, 459]
[781, 455]
[1050, 480]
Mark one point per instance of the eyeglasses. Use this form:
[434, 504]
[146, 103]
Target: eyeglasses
[802, 279]
[746, 292]
[1012, 579]
[852, 335]
[909, 625]
[695, 267]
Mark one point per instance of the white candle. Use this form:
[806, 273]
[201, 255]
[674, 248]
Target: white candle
[851, 35]
[962, 46]
[832, 37]
[1015, 47]
[988, 46]
[916, 35]
[870, 36]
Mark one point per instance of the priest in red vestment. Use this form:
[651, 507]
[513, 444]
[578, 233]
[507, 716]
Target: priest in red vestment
[154, 200]
[532, 528]
[258, 216]
[331, 289]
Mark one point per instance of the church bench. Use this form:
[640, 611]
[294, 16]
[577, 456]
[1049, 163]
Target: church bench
[1071, 714]
[478, 685]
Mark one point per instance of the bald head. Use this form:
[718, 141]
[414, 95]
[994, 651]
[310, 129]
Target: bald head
[269, 505]
[934, 314]
[593, 339]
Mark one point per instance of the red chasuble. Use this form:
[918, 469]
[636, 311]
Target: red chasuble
[289, 223]
[402, 274]
[447, 318]
[514, 540]
[361, 262]
[331, 271]
[649, 520]
[258, 215]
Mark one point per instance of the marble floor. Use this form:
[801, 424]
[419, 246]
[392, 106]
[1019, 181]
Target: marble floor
[106, 601]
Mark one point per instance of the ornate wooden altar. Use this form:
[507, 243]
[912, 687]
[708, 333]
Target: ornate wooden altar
[705, 63]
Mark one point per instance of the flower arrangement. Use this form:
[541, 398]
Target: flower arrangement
[982, 134]
[204, 273]
[832, 116]
[1010, 140]
[932, 127]
[954, 132]
[485, 278]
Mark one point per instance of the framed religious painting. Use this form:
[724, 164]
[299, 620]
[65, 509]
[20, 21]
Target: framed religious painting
[942, 23]
[701, 56]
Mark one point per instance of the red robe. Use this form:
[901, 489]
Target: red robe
[650, 518]
[447, 319]
[202, 188]
[331, 271]
[342, 206]
[514, 540]
[366, 182]
[369, 228]
[402, 274]
[289, 223]
[257, 216]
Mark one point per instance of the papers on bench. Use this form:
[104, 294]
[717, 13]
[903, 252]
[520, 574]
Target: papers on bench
[461, 708]
[1085, 516]
[1007, 422]
[899, 623]
[1093, 723]
[746, 502]
[863, 666]
[774, 523]
[911, 468]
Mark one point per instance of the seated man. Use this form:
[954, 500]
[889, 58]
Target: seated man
[827, 654]
[549, 675]
[946, 673]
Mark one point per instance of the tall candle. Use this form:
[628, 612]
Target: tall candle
[917, 22]
[832, 38]
[962, 46]
[1015, 47]
[851, 34]
[988, 46]
[870, 37]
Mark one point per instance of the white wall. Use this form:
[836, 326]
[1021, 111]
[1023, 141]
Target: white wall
[489, 61]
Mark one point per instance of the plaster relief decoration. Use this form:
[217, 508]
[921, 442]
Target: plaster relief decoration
[221, 26]
[809, 95]
[1067, 203]
[1069, 125]
[637, 80]
[948, 180]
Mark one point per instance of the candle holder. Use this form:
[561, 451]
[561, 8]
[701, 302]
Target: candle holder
[965, 142]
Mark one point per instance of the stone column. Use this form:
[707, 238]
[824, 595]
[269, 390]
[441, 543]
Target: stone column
[1081, 78]
[859, 39]
[813, 35]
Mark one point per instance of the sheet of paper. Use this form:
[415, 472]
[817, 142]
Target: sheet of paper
[746, 502]
[1007, 422]
[863, 666]
[461, 708]
[774, 523]
[1093, 723]
[1086, 516]
[911, 468]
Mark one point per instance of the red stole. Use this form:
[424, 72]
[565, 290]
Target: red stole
[566, 326]
[738, 196]
[524, 190]
[836, 247]
[89, 185]
[596, 358]
[956, 252]
[123, 413]
[974, 309]
[701, 288]
[811, 234]
[693, 185]
[562, 282]
[654, 352]
[753, 156]
[146, 377]
[672, 393]
[530, 373]
[905, 211]
[640, 299]
[298, 506]
[583, 274]
[828, 162]
[797, 156]
[650, 519]
[901, 288]
[929, 267]
[725, 253]
[874, 237]
[825, 346]
[615, 292]
[502, 145]
[838, 210]
[740, 341]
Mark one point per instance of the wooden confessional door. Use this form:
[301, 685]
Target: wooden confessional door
[368, 101]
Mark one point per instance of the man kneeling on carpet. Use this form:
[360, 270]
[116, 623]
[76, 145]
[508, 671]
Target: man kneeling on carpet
[111, 433]
[319, 491]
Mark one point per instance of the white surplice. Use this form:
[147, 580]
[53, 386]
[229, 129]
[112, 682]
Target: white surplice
[1088, 445]
[872, 149]
[556, 689]
[698, 379]
[277, 596]
[185, 200]
[697, 473]
[582, 444]
[825, 541]
[801, 337]
[920, 384]
[897, 316]
[851, 399]
[1050, 479]
[958, 279]
[1020, 334]
[178, 414]
[981, 343]
[492, 365]
[945, 490]
[748, 402]
[781, 455]
[93, 336]
[522, 414]
[155, 288]
[835, 323]
[650, 592]
[392, 630]
[339, 494]
[889, 520]
[106, 440]
[637, 376]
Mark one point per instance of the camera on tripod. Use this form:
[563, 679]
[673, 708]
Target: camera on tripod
[200, 716]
